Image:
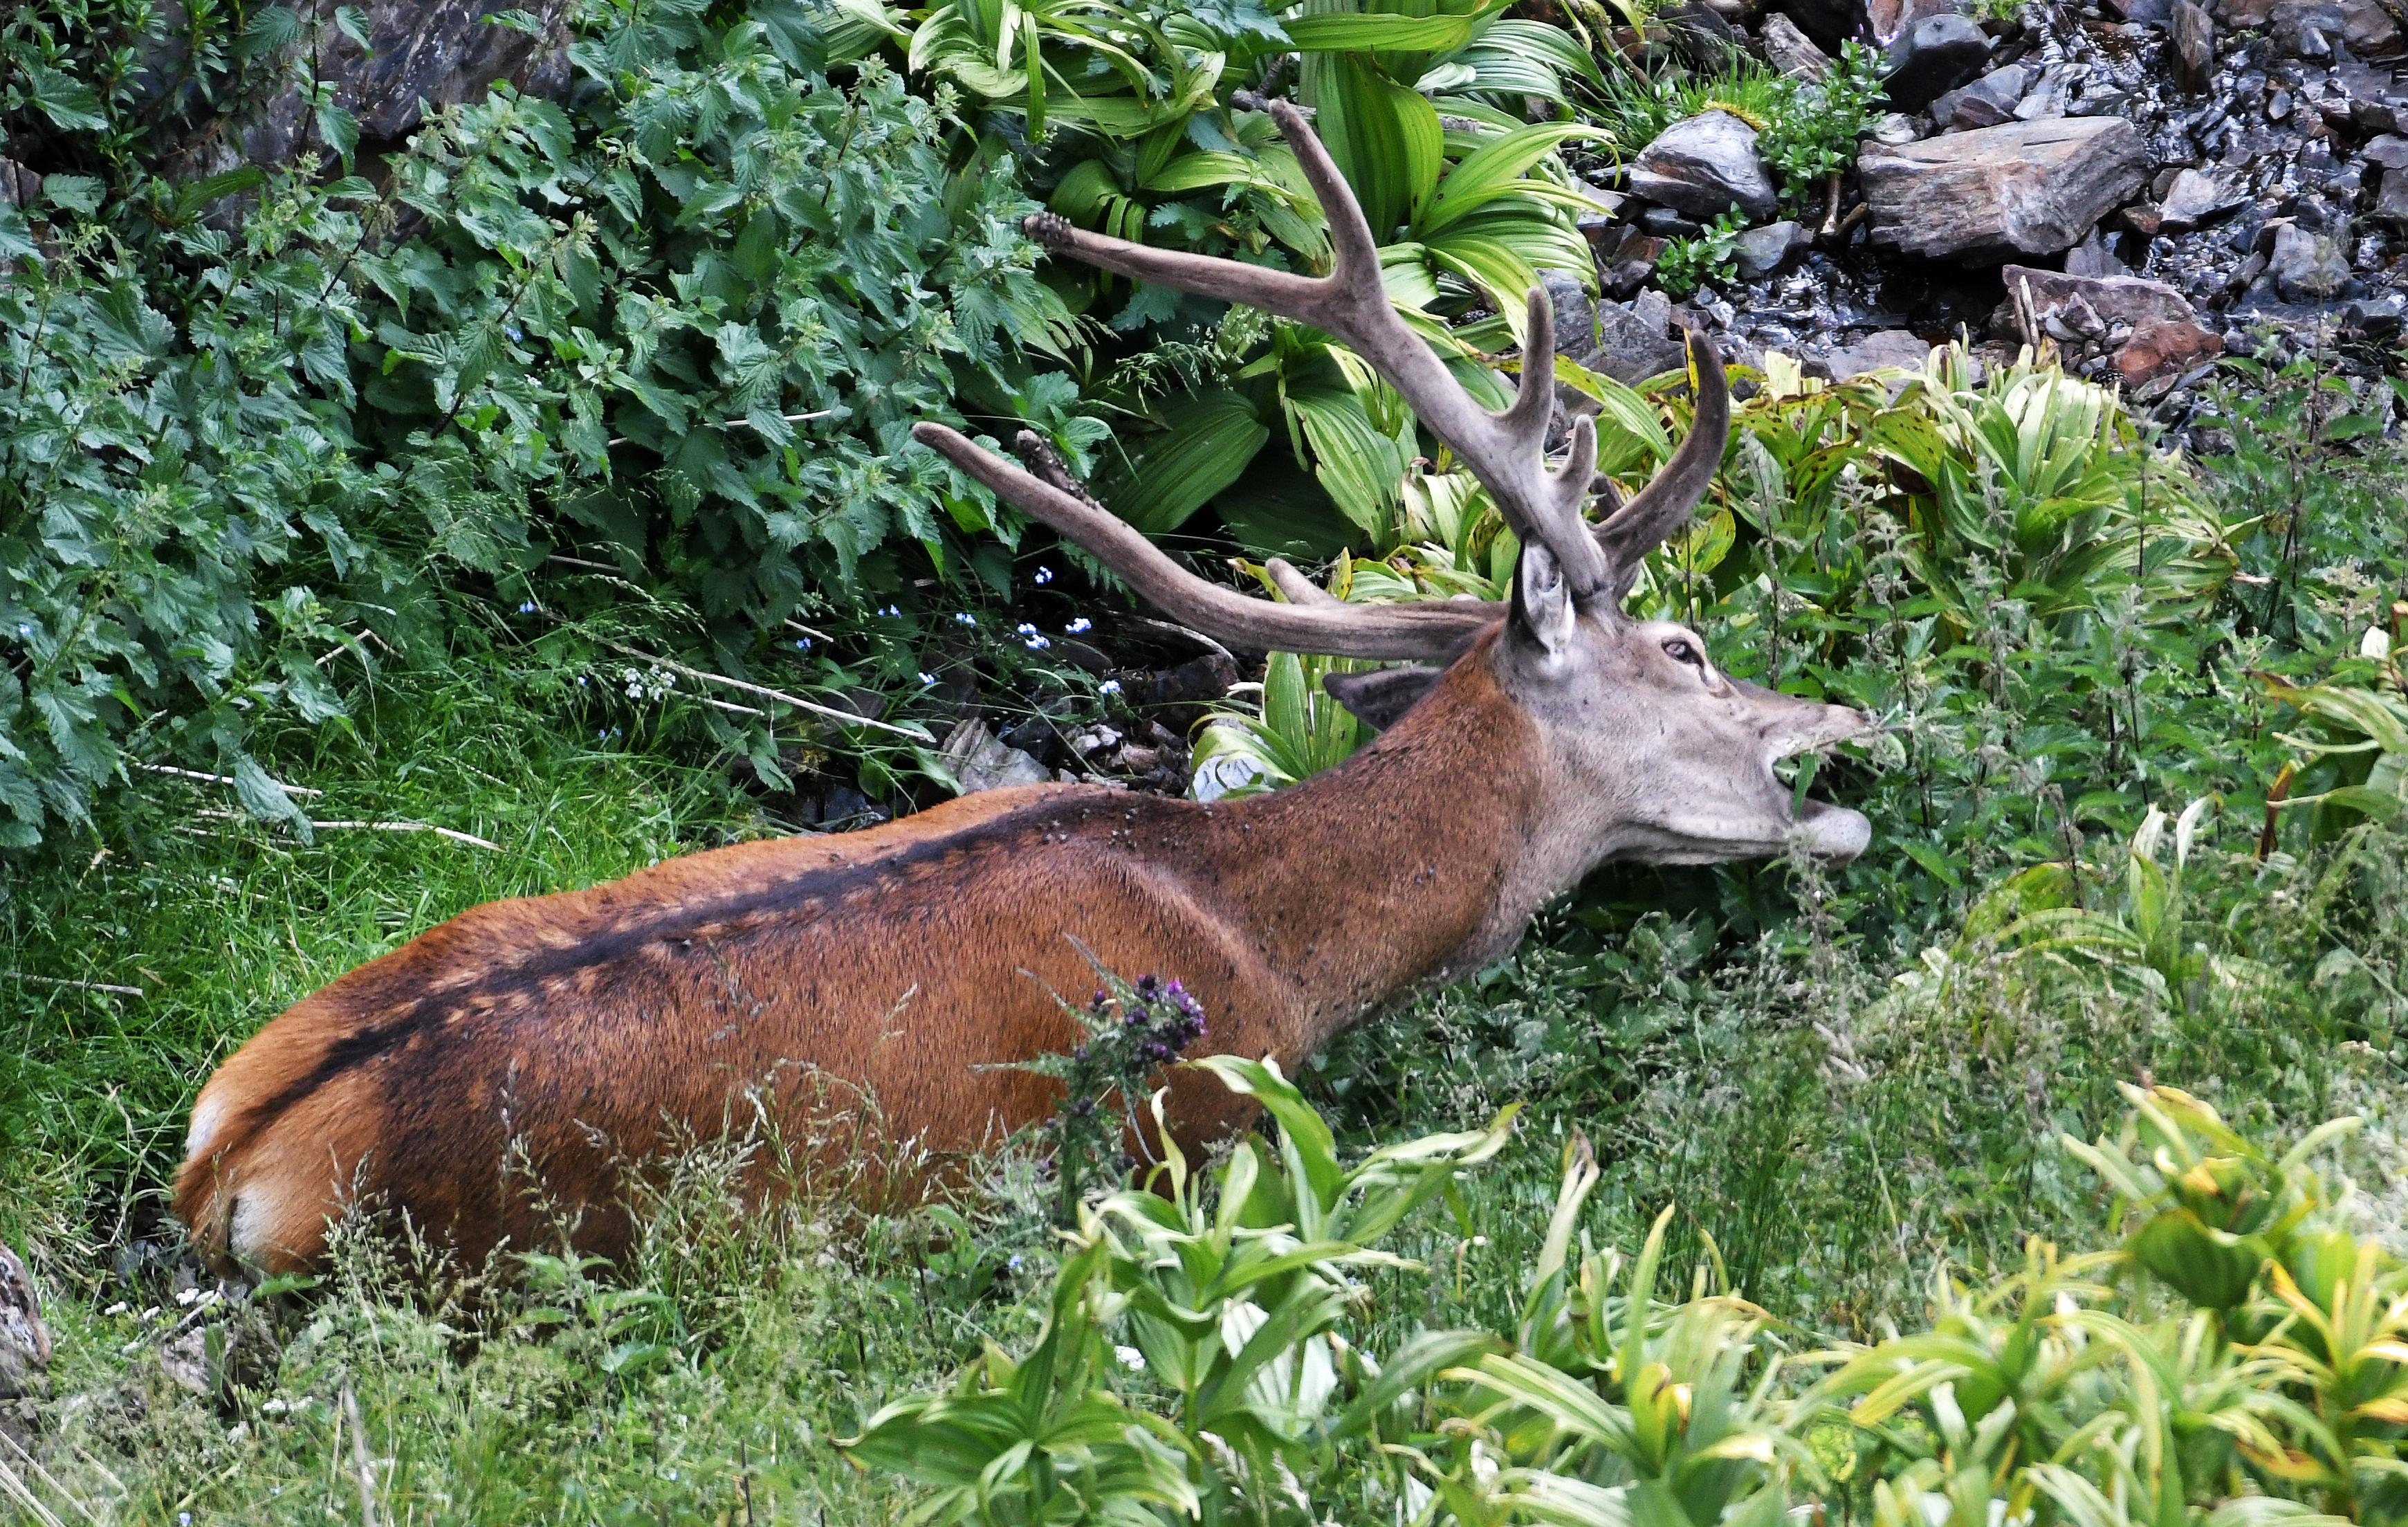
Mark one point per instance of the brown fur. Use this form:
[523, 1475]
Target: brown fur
[593, 1027]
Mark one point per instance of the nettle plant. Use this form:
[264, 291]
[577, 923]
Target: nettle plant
[677, 332]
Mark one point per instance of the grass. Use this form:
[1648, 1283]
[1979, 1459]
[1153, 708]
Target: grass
[1833, 1109]
[1828, 1139]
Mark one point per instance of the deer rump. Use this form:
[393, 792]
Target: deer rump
[525, 1052]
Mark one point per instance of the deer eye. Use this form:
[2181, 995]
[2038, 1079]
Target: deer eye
[1681, 652]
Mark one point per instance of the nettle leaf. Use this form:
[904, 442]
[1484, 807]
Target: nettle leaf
[71, 105]
[77, 193]
[340, 130]
[270, 30]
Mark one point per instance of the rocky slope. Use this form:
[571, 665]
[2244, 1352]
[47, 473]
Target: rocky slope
[2151, 187]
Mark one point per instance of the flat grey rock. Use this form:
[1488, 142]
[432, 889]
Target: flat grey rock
[1889, 350]
[2195, 198]
[1703, 167]
[2024, 188]
[2087, 307]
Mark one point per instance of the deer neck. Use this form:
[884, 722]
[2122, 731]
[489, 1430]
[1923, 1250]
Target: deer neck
[1412, 862]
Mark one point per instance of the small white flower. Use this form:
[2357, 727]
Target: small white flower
[1131, 1359]
[1110, 687]
[1077, 626]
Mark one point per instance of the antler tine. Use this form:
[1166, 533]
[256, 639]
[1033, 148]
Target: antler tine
[1437, 628]
[1666, 503]
[1505, 451]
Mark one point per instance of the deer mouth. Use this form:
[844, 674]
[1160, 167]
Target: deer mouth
[1834, 833]
[1829, 832]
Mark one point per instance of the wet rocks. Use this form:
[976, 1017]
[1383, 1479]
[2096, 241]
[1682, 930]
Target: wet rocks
[1703, 167]
[1760, 252]
[1986, 101]
[2025, 188]
[1933, 57]
[2305, 266]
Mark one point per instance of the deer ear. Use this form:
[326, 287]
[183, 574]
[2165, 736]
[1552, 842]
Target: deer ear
[1380, 697]
[1543, 612]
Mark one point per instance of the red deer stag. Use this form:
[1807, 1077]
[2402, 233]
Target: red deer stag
[578, 1031]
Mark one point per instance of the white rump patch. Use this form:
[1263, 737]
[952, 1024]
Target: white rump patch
[250, 1228]
[207, 1114]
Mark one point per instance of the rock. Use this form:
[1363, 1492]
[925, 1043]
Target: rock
[18, 186]
[1891, 17]
[2196, 199]
[2244, 13]
[2159, 354]
[1699, 35]
[1895, 129]
[1932, 57]
[1631, 262]
[2087, 306]
[2047, 97]
[435, 53]
[2092, 258]
[1830, 22]
[2390, 150]
[1792, 52]
[24, 1341]
[1704, 166]
[2306, 266]
[1599, 225]
[1986, 103]
[1889, 350]
[2370, 30]
[1664, 223]
[2391, 200]
[2025, 188]
[1760, 252]
[2305, 28]
[2193, 49]
[1632, 339]
[981, 761]
[2371, 101]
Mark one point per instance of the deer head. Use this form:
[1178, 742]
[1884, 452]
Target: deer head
[1651, 753]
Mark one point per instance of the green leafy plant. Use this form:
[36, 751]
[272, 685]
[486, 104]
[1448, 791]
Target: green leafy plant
[1813, 131]
[1224, 1292]
[1711, 255]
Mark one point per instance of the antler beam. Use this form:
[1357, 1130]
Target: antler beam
[1505, 451]
[1438, 628]
[1666, 503]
